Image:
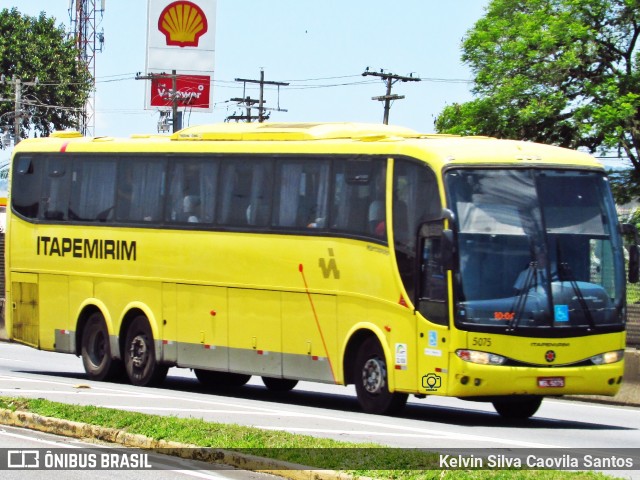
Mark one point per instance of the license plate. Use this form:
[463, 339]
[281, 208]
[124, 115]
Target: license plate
[550, 382]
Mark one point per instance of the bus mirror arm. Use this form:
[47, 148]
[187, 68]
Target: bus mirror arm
[448, 248]
[634, 252]
[449, 216]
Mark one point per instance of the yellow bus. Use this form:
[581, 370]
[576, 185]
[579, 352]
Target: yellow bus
[370, 255]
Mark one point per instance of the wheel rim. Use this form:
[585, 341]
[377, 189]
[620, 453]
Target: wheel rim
[138, 351]
[98, 348]
[373, 375]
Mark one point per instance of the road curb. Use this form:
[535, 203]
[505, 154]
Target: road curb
[242, 461]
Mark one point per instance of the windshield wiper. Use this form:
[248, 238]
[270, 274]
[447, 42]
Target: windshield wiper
[521, 300]
[565, 272]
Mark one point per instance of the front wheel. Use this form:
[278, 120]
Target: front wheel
[140, 359]
[517, 408]
[96, 350]
[370, 377]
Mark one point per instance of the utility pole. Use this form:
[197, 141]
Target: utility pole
[177, 116]
[262, 82]
[17, 109]
[390, 79]
[248, 103]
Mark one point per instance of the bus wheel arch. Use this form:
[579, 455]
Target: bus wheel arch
[94, 346]
[351, 351]
[139, 353]
[365, 365]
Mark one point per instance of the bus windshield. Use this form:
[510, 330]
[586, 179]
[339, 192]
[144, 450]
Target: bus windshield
[539, 251]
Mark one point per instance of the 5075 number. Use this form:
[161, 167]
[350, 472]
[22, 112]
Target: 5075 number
[481, 341]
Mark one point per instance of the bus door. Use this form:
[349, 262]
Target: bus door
[433, 258]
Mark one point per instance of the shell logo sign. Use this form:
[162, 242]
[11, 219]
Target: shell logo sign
[183, 23]
[181, 39]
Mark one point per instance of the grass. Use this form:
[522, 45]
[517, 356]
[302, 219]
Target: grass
[380, 462]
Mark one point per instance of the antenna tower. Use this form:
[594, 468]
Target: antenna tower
[82, 16]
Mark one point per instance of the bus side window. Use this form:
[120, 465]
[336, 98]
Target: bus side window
[26, 184]
[302, 197]
[246, 193]
[55, 203]
[432, 298]
[140, 201]
[415, 199]
[93, 187]
[359, 198]
[192, 189]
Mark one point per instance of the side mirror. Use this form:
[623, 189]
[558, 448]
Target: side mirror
[446, 242]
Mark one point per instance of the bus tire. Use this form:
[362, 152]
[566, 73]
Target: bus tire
[213, 379]
[279, 384]
[140, 359]
[370, 378]
[96, 350]
[517, 407]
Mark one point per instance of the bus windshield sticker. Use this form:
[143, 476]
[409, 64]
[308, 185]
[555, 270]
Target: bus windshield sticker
[561, 313]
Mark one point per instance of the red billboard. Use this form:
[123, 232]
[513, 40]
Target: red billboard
[192, 91]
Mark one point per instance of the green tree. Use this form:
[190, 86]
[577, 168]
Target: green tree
[33, 47]
[564, 72]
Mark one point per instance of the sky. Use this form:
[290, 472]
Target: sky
[320, 47]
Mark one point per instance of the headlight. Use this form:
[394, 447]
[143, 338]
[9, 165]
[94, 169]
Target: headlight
[609, 357]
[483, 358]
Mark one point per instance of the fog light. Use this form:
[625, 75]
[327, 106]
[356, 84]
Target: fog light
[464, 380]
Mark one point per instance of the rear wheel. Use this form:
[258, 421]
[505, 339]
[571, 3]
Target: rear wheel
[214, 379]
[140, 359]
[516, 407]
[371, 381]
[96, 350]
[279, 384]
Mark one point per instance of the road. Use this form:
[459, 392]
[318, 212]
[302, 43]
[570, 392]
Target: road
[325, 410]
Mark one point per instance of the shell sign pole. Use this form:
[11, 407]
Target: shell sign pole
[180, 38]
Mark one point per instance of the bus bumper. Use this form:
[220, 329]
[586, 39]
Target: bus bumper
[474, 380]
